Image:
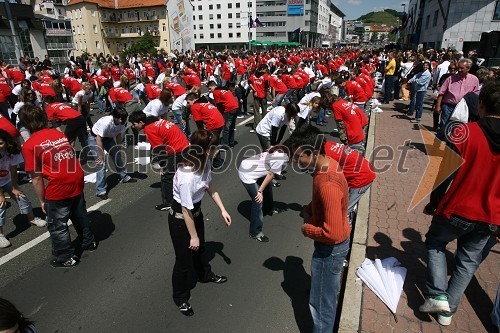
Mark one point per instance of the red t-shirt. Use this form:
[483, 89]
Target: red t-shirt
[357, 170]
[278, 85]
[115, 73]
[101, 79]
[120, 95]
[353, 117]
[208, 114]
[289, 81]
[176, 88]
[79, 72]
[48, 152]
[226, 71]
[61, 111]
[152, 90]
[365, 85]
[130, 74]
[150, 70]
[356, 91]
[43, 88]
[226, 98]
[72, 84]
[8, 127]
[15, 75]
[4, 87]
[259, 84]
[164, 132]
[192, 80]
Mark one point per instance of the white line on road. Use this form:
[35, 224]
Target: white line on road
[245, 121]
[25, 247]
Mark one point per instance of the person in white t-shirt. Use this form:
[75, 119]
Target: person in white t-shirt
[271, 128]
[158, 107]
[106, 133]
[308, 103]
[10, 158]
[82, 100]
[256, 173]
[192, 180]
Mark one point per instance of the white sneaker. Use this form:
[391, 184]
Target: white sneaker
[4, 242]
[436, 304]
[39, 222]
[443, 319]
[252, 131]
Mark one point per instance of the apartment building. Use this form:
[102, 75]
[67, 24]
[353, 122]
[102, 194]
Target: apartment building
[456, 24]
[111, 26]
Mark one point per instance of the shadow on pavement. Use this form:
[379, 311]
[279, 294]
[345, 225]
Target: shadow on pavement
[481, 303]
[296, 284]
[101, 225]
[114, 179]
[213, 248]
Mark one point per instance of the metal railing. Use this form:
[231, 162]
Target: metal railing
[60, 46]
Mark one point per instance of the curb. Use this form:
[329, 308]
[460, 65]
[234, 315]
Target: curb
[350, 317]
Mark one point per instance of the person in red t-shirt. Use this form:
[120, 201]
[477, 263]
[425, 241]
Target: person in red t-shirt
[44, 89]
[167, 144]
[228, 105]
[49, 155]
[351, 121]
[8, 127]
[191, 80]
[5, 92]
[177, 89]
[278, 88]
[58, 113]
[72, 85]
[259, 86]
[14, 74]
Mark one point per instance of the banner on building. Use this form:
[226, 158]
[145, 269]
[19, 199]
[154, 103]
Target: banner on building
[180, 15]
[295, 7]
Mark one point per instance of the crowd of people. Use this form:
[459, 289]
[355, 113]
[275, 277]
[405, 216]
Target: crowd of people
[43, 112]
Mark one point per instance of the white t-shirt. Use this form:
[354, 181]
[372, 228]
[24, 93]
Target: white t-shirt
[255, 167]
[179, 102]
[17, 90]
[17, 108]
[276, 117]
[190, 187]
[85, 97]
[155, 108]
[6, 162]
[304, 111]
[307, 98]
[106, 127]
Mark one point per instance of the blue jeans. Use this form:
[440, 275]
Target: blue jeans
[257, 210]
[320, 119]
[326, 269]
[388, 88]
[58, 214]
[278, 99]
[23, 202]
[359, 147]
[446, 111]
[229, 125]
[471, 238]
[110, 146]
[355, 195]
[417, 104]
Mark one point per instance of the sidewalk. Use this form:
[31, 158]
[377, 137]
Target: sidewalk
[394, 231]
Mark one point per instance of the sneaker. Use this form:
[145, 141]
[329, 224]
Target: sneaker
[275, 211]
[103, 196]
[39, 222]
[162, 207]
[262, 238]
[186, 309]
[252, 131]
[218, 279]
[71, 262]
[128, 180]
[436, 304]
[415, 121]
[92, 247]
[240, 116]
[276, 184]
[444, 319]
[4, 242]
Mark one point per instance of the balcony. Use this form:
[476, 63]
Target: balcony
[59, 60]
[58, 32]
[60, 46]
[130, 34]
[114, 19]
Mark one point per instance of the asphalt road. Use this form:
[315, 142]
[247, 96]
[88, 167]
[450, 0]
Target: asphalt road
[125, 286]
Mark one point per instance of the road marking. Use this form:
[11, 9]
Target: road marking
[25, 247]
[245, 121]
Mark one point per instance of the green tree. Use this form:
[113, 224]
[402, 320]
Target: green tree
[144, 45]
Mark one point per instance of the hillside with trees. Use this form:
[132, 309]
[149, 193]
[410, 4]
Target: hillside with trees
[388, 17]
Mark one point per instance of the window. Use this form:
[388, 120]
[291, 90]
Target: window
[237, 15]
[200, 17]
[229, 5]
[212, 36]
[238, 25]
[194, 17]
[211, 26]
[97, 45]
[230, 35]
[237, 5]
[219, 25]
[218, 6]
[435, 21]
[201, 36]
[200, 7]
[250, 5]
[163, 27]
[194, 27]
[219, 35]
[229, 15]
[210, 7]
[230, 25]
[238, 35]
[92, 12]
[194, 36]
[211, 16]
[427, 20]
[219, 16]
[95, 28]
[496, 13]
[200, 26]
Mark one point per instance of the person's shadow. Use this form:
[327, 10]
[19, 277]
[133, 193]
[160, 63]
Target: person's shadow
[213, 248]
[101, 225]
[296, 284]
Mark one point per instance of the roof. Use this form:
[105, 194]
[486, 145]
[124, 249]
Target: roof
[121, 3]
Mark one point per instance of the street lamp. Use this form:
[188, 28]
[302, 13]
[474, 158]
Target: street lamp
[404, 7]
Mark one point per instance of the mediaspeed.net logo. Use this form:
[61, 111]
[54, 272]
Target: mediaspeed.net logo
[443, 160]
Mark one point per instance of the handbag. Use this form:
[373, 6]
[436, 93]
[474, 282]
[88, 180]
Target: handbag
[461, 112]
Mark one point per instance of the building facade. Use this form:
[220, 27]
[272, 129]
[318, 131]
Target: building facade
[456, 24]
[110, 27]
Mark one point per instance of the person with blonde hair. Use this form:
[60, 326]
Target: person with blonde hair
[82, 100]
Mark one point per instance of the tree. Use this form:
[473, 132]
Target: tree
[144, 45]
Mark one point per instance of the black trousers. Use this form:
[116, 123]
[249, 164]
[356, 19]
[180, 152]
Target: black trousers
[186, 260]
[167, 178]
[77, 127]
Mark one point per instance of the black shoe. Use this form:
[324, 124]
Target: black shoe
[71, 262]
[92, 247]
[103, 196]
[262, 238]
[130, 180]
[162, 207]
[219, 279]
[279, 177]
[186, 309]
[276, 184]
